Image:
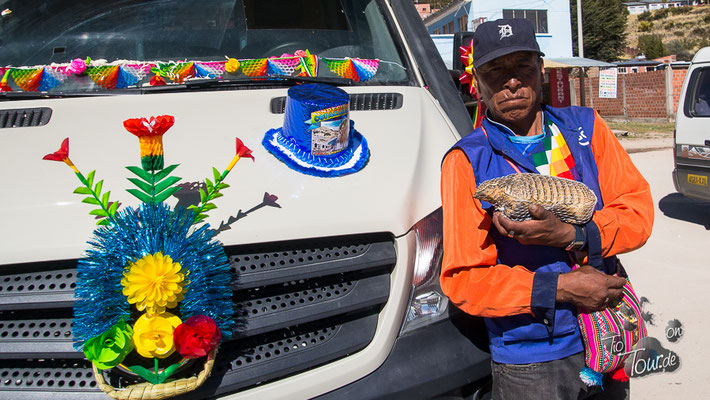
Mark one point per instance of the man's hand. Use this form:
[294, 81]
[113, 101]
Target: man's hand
[545, 229]
[589, 288]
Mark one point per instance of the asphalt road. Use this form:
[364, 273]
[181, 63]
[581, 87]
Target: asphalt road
[672, 271]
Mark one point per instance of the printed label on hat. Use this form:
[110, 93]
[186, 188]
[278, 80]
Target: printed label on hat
[505, 31]
[330, 129]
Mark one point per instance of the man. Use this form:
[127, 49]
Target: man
[518, 275]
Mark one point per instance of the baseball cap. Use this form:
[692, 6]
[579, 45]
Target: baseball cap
[493, 39]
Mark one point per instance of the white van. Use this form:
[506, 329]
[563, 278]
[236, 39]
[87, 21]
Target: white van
[348, 305]
[692, 130]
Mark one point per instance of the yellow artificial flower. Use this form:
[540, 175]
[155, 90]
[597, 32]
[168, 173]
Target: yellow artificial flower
[154, 283]
[153, 335]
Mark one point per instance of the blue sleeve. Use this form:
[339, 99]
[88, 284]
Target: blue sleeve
[543, 297]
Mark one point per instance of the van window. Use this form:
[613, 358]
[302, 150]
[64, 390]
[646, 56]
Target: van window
[697, 99]
[35, 34]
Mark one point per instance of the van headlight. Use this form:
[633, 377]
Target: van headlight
[427, 303]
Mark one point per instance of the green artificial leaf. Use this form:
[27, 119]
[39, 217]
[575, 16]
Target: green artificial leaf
[222, 186]
[104, 199]
[141, 173]
[199, 218]
[166, 183]
[103, 222]
[216, 195]
[144, 373]
[192, 208]
[100, 212]
[210, 185]
[113, 208]
[91, 200]
[165, 194]
[140, 195]
[146, 187]
[217, 174]
[82, 190]
[168, 371]
[90, 178]
[98, 187]
[165, 172]
[209, 206]
[203, 196]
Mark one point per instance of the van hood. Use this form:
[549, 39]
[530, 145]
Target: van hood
[267, 201]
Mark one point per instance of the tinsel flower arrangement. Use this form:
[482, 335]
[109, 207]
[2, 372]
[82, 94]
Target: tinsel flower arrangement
[153, 290]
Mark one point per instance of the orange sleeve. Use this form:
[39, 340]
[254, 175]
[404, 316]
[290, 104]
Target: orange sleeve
[626, 220]
[470, 276]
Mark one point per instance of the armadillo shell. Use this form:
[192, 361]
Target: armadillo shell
[571, 201]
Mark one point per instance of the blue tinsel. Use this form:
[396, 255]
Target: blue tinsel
[100, 302]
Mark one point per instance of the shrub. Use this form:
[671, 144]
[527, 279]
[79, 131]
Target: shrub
[698, 31]
[661, 14]
[670, 24]
[645, 26]
[679, 33]
[706, 18]
[645, 16]
[681, 10]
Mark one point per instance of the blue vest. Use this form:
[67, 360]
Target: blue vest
[522, 339]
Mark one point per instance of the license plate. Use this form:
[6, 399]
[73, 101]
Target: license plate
[697, 180]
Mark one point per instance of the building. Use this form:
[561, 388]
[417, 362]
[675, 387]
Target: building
[637, 65]
[550, 17]
[424, 9]
[641, 6]
[453, 17]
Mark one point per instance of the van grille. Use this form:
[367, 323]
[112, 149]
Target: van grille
[298, 305]
[21, 118]
[358, 102]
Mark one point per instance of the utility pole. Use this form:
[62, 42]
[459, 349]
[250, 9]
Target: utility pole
[580, 48]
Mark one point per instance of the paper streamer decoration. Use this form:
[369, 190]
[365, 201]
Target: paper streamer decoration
[357, 69]
[120, 75]
[28, 79]
[211, 70]
[254, 67]
[309, 65]
[282, 66]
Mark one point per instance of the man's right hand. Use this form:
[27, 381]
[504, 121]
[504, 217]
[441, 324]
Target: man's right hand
[589, 288]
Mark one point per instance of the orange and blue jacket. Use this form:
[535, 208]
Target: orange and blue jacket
[514, 286]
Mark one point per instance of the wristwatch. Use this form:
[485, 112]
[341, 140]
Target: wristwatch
[579, 236]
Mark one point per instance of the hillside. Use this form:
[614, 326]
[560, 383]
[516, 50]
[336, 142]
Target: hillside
[682, 30]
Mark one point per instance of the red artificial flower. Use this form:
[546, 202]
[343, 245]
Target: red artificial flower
[4, 87]
[61, 154]
[243, 151]
[157, 80]
[196, 337]
[155, 126]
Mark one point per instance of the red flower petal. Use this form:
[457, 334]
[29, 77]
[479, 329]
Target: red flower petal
[243, 151]
[196, 337]
[155, 126]
[60, 154]
[157, 80]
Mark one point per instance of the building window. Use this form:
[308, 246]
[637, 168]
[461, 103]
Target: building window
[451, 27]
[622, 70]
[445, 29]
[437, 31]
[634, 70]
[463, 23]
[537, 17]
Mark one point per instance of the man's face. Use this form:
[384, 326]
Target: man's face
[511, 86]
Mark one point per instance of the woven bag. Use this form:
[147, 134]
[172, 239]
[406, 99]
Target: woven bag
[610, 334]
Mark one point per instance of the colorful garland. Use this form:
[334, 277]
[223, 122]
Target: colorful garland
[152, 284]
[467, 78]
[120, 75]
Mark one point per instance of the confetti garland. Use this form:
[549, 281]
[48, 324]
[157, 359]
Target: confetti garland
[121, 75]
[467, 78]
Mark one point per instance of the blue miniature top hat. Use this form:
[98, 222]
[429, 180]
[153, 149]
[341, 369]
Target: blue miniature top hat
[318, 138]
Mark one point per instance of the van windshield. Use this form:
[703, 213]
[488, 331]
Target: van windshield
[75, 46]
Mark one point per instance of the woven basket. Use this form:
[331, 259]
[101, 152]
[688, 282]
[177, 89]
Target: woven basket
[148, 391]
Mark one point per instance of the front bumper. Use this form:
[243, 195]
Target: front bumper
[428, 362]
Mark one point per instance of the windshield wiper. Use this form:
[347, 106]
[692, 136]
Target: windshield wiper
[273, 80]
[45, 95]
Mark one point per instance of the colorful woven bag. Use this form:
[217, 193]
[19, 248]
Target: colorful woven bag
[610, 334]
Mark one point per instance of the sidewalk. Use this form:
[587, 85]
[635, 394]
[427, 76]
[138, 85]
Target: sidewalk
[634, 144]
